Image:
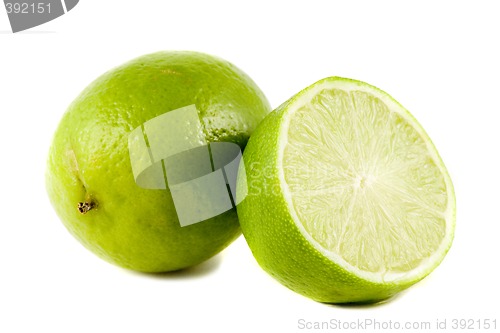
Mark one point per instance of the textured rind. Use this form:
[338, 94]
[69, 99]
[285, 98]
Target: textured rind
[274, 238]
[133, 227]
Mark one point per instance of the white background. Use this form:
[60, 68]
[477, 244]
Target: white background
[440, 59]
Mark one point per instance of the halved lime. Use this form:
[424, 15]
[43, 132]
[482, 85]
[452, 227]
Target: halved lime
[348, 199]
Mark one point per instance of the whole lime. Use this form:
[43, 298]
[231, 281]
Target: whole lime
[89, 175]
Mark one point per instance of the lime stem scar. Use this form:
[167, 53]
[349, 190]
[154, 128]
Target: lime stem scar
[85, 207]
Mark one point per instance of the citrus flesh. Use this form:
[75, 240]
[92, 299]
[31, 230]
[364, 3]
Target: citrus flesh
[348, 199]
[89, 175]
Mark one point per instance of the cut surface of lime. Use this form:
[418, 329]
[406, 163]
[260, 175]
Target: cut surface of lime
[348, 199]
[364, 181]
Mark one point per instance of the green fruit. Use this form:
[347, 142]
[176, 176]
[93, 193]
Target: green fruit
[89, 175]
[348, 199]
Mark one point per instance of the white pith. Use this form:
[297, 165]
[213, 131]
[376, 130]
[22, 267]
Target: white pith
[363, 182]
